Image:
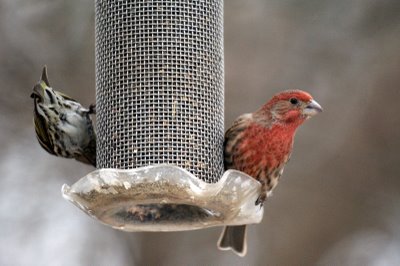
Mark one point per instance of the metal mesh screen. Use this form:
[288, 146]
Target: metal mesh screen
[159, 84]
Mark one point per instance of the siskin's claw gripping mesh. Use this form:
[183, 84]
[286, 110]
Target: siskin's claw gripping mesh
[159, 84]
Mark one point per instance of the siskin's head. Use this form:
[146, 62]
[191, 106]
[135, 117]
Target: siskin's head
[42, 92]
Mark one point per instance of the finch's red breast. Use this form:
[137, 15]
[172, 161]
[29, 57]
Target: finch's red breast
[263, 150]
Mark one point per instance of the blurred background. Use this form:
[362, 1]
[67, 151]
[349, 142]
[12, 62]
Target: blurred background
[338, 202]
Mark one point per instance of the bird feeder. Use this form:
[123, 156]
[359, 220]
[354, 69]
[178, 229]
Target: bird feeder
[160, 121]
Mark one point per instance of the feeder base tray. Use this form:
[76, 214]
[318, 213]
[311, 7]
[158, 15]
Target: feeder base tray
[165, 198]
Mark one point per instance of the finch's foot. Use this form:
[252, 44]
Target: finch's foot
[261, 199]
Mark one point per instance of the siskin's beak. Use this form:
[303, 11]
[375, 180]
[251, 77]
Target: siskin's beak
[39, 89]
[38, 92]
[312, 108]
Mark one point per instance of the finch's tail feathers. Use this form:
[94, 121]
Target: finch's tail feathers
[234, 238]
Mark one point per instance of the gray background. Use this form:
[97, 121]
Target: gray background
[338, 202]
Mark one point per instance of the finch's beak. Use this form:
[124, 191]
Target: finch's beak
[312, 108]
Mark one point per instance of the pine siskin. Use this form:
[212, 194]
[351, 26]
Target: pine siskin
[63, 127]
[259, 144]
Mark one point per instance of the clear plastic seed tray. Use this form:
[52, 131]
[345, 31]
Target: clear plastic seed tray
[165, 198]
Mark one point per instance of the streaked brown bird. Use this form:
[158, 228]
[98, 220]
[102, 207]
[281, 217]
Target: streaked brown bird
[259, 144]
[63, 126]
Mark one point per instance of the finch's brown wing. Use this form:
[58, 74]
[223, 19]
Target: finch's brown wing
[232, 136]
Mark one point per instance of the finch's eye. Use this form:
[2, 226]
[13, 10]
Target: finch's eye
[294, 101]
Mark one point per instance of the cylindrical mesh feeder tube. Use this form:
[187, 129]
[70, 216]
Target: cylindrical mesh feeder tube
[160, 116]
[159, 85]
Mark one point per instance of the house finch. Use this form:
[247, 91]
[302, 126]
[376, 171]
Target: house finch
[259, 144]
[63, 127]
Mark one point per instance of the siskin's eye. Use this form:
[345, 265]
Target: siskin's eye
[294, 101]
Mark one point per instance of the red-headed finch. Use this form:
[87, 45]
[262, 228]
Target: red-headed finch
[259, 144]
